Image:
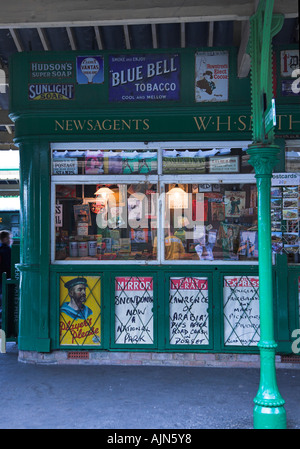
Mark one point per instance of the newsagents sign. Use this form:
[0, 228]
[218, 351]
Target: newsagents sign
[144, 77]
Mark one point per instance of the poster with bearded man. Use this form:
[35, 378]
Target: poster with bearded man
[80, 311]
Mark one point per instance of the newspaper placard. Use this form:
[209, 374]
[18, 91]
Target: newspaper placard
[189, 311]
[134, 310]
[241, 310]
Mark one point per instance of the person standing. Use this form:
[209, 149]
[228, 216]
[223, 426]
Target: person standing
[5, 261]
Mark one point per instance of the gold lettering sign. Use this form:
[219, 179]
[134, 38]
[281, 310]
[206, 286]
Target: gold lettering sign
[223, 123]
[200, 123]
[229, 123]
[72, 125]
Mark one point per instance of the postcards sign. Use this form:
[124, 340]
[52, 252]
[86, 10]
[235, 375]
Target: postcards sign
[144, 77]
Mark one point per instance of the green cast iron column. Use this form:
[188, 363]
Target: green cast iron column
[269, 412]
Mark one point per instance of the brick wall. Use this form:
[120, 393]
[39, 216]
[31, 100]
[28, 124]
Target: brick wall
[149, 358]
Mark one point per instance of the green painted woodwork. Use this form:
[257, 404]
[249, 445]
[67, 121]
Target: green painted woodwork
[89, 118]
[269, 412]
[34, 251]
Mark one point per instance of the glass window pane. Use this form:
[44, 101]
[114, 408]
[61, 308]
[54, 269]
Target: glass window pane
[104, 162]
[292, 159]
[134, 310]
[285, 221]
[210, 161]
[188, 311]
[210, 222]
[105, 222]
[241, 310]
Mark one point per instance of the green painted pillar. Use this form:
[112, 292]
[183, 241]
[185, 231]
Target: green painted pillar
[34, 247]
[269, 412]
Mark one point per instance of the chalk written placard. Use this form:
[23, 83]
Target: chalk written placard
[188, 311]
[241, 310]
[133, 310]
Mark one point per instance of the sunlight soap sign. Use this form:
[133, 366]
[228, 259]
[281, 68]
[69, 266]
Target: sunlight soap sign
[212, 74]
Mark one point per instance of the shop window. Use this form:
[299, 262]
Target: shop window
[188, 311]
[292, 158]
[285, 221]
[210, 222]
[104, 162]
[285, 206]
[105, 221]
[134, 310]
[153, 203]
[241, 310]
[206, 161]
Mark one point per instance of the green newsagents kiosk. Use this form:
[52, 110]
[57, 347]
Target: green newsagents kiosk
[139, 239]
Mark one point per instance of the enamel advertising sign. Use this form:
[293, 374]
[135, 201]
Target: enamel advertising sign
[144, 77]
[90, 69]
[212, 75]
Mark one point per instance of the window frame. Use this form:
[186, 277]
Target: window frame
[159, 179]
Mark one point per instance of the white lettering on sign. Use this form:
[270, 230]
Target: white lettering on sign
[133, 74]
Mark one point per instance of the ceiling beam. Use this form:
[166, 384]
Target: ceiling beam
[8, 129]
[210, 40]
[127, 37]
[182, 35]
[154, 35]
[243, 59]
[4, 119]
[16, 38]
[71, 37]
[44, 39]
[98, 38]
